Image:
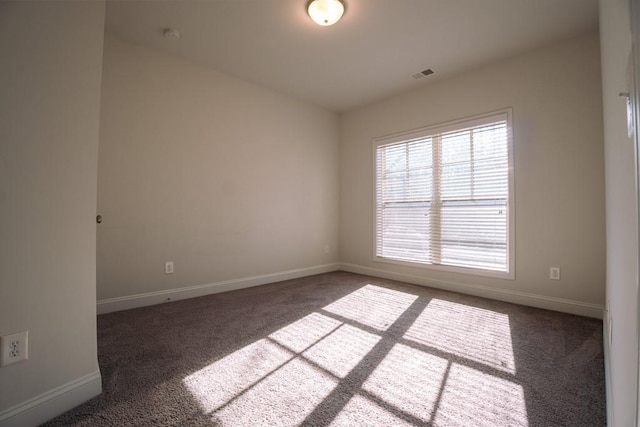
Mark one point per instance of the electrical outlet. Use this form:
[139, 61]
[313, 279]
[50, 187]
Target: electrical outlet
[14, 348]
[168, 267]
[554, 273]
[327, 249]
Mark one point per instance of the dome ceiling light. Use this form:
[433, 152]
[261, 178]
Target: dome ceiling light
[325, 12]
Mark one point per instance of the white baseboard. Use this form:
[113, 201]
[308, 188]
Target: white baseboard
[52, 403]
[607, 365]
[151, 298]
[523, 298]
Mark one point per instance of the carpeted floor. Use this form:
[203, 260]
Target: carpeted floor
[344, 349]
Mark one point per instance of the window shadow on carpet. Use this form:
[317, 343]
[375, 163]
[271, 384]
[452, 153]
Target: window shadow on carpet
[342, 349]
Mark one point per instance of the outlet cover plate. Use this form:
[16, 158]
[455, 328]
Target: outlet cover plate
[168, 267]
[15, 348]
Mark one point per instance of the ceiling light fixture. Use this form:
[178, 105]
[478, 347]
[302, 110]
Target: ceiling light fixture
[325, 12]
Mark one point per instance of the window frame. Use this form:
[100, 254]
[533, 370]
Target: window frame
[449, 126]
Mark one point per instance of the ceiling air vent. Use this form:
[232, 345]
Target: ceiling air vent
[422, 74]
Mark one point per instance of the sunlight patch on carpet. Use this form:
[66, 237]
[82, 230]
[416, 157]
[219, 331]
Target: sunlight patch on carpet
[361, 411]
[409, 380]
[473, 333]
[216, 384]
[471, 397]
[281, 379]
[303, 333]
[284, 398]
[373, 306]
[342, 350]
[293, 369]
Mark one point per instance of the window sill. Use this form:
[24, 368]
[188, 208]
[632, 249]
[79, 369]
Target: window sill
[510, 275]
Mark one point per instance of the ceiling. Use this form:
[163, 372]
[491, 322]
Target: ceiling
[370, 54]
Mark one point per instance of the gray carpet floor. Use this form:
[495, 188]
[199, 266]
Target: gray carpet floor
[343, 349]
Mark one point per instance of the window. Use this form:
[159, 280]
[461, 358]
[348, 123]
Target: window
[443, 196]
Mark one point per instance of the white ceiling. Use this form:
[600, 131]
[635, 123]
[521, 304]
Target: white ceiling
[370, 54]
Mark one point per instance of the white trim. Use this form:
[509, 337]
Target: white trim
[460, 270]
[151, 298]
[523, 298]
[504, 114]
[52, 403]
[634, 94]
[443, 127]
[606, 335]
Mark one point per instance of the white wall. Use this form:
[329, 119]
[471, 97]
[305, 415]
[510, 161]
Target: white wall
[622, 244]
[50, 77]
[225, 178]
[555, 94]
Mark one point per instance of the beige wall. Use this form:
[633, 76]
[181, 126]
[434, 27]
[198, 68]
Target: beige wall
[224, 178]
[622, 217]
[50, 77]
[555, 94]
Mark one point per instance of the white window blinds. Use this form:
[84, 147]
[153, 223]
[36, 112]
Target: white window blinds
[443, 195]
